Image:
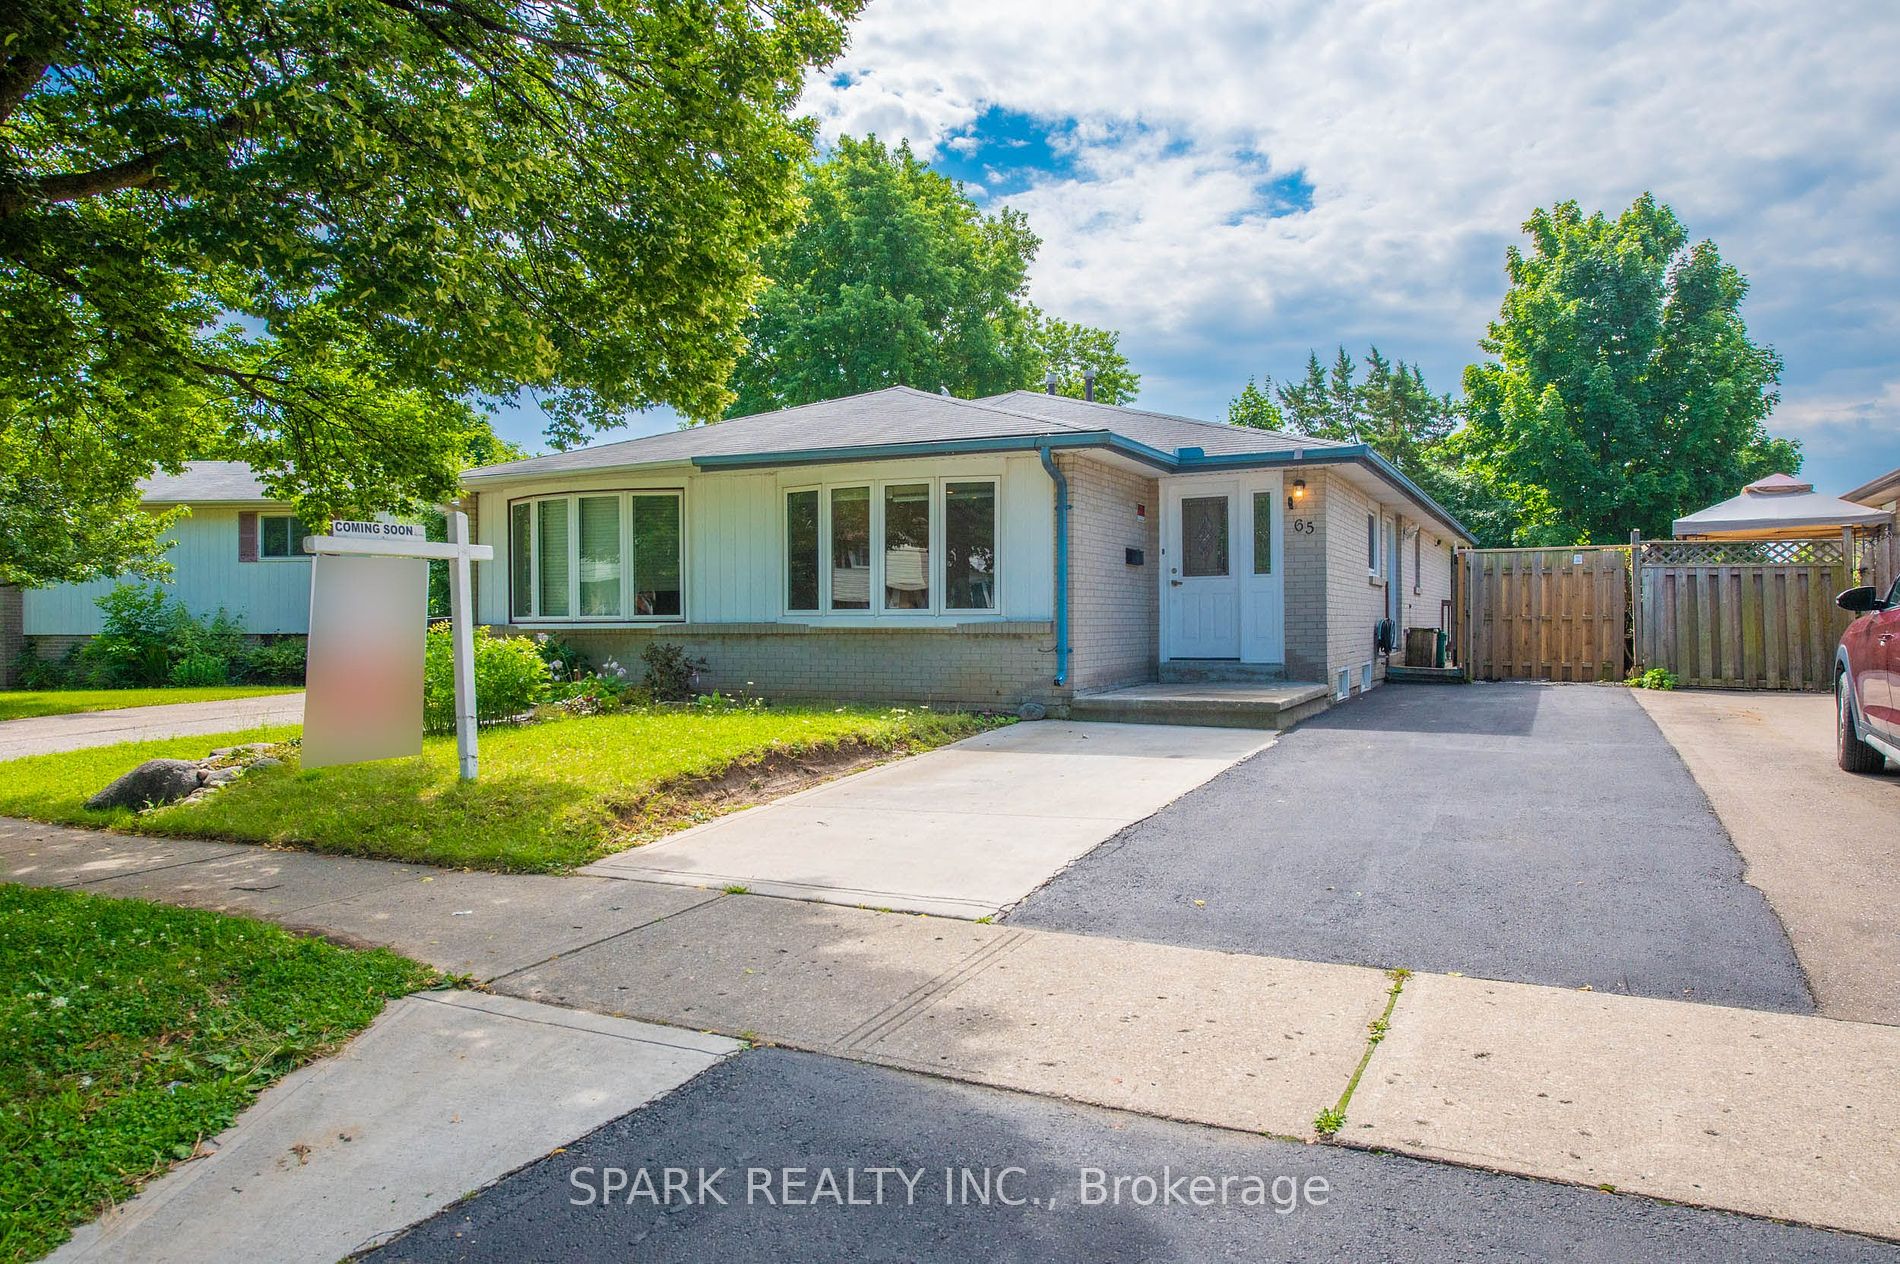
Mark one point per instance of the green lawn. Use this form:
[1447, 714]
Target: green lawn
[551, 795]
[21, 704]
[134, 1030]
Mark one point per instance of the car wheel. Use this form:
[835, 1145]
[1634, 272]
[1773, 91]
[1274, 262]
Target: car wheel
[1854, 755]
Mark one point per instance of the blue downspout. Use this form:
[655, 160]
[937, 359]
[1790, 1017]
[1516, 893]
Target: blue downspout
[1062, 563]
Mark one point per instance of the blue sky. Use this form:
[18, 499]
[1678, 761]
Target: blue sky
[1230, 186]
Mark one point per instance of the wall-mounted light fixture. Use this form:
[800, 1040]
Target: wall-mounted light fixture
[1299, 493]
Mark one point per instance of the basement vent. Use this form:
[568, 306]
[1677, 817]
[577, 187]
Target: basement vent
[1344, 690]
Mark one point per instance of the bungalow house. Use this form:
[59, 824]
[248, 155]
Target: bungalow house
[238, 550]
[898, 545]
[1023, 547]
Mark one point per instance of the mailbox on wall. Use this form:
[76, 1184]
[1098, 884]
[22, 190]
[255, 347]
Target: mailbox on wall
[1136, 557]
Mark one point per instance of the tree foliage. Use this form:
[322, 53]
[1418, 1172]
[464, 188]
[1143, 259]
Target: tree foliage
[316, 236]
[1623, 390]
[895, 277]
[1392, 410]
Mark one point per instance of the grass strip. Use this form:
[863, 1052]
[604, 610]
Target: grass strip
[552, 795]
[136, 1030]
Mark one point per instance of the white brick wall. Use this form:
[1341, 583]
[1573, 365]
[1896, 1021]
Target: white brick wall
[1114, 608]
[1354, 602]
[988, 665]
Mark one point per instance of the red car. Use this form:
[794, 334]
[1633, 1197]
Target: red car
[1867, 680]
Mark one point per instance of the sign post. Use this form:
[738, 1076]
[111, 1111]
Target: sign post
[462, 629]
[398, 539]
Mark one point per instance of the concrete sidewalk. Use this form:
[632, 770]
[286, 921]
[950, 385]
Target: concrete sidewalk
[444, 1093]
[1775, 1115]
[45, 734]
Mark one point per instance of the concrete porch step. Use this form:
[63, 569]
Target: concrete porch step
[1221, 704]
[1425, 675]
[1198, 670]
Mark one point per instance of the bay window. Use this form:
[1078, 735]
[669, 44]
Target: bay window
[600, 556]
[911, 546]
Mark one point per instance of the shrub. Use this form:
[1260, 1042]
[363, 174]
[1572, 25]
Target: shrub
[510, 678]
[148, 638]
[564, 658]
[34, 672]
[134, 643]
[279, 662]
[672, 673]
[199, 667]
[1654, 678]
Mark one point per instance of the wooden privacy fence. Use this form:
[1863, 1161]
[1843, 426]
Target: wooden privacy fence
[1745, 614]
[1544, 614]
[1720, 614]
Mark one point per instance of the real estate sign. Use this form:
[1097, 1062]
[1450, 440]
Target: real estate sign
[368, 609]
[363, 696]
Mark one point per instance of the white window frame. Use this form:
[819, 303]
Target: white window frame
[938, 610]
[1375, 544]
[625, 495]
[293, 547]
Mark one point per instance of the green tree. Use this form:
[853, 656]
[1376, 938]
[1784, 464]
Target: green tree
[320, 237]
[1624, 390]
[895, 278]
[1070, 351]
[1307, 404]
[1393, 411]
[1254, 407]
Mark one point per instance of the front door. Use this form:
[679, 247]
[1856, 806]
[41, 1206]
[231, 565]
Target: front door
[1202, 597]
[1223, 555]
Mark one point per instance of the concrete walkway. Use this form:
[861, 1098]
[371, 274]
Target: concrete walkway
[45, 734]
[963, 831]
[1823, 845]
[444, 1093]
[1769, 1114]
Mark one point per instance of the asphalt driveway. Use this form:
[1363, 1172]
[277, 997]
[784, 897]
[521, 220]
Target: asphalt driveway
[1539, 833]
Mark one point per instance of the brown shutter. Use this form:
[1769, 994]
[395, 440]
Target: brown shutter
[247, 537]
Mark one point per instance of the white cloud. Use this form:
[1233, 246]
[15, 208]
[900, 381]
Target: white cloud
[1427, 132]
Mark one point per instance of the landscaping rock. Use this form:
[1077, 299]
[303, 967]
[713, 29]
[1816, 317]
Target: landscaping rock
[1031, 711]
[222, 776]
[151, 784]
[266, 761]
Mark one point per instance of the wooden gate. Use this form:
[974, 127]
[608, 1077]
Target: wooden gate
[1745, 614]
[1544, 614]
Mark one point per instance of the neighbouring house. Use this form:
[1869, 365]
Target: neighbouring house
[238, 550]
[1023, 547]
[1881, 493]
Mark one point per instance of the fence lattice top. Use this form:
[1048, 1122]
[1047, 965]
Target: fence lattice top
[1742, 552]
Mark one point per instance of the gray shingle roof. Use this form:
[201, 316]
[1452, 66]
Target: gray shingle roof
[206, 483]
[900, 414]
[1156, 430]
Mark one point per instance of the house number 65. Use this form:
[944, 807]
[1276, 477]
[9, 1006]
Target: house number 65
[1303, 526]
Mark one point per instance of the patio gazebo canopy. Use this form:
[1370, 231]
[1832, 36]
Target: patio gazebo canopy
[1778, 507]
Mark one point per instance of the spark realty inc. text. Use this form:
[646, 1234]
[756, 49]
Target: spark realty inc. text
[797, 1187]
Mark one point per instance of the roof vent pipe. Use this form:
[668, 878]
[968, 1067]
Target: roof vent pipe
[1049, 381]
[1088, 385]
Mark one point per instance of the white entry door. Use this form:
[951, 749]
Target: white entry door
[1222, 584]
[1203, 586]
